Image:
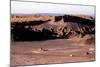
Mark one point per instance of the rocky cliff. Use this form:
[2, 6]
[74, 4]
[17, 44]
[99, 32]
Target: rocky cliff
[52, 27]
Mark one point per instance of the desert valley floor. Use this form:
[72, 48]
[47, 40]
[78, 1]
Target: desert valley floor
[50, 51]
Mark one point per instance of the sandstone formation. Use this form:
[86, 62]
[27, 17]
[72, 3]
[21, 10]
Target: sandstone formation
[51, 27]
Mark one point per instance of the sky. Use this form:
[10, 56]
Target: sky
[19, 7]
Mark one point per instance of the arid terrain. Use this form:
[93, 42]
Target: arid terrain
[52, 39]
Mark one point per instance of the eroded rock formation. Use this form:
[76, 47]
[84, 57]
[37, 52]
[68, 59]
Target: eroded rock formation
[51, 27]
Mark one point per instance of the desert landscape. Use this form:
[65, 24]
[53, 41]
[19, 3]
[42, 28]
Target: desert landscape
[52, 38]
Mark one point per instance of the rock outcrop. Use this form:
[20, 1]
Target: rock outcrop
[52, 27]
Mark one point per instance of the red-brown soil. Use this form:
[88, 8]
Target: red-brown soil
[53, 51]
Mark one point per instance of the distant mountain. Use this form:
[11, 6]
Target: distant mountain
[40, 14]
[47, 14]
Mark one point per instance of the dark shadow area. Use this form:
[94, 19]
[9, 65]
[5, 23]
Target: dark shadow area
[22, 34]
[58, 18]
[75, 19]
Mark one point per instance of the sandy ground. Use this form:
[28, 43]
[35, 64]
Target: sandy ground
[49, 52]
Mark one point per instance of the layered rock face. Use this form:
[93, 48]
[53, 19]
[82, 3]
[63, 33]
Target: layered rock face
[52, 27]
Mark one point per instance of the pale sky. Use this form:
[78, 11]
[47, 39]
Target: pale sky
[19, 7]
